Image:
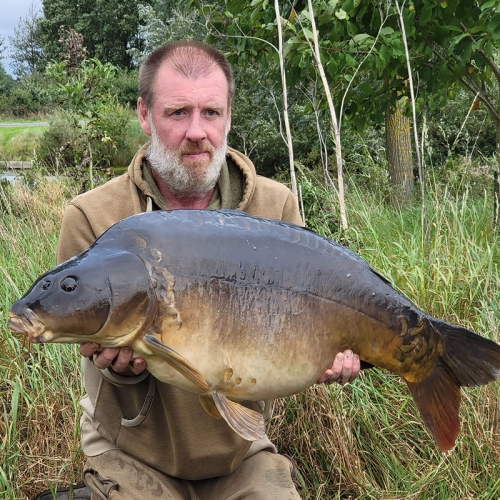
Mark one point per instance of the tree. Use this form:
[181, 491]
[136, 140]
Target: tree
[86, 95]
[166, 20]
[458, 43]
[306, 51]
[26, 45]
[450, 42]
[110, 28]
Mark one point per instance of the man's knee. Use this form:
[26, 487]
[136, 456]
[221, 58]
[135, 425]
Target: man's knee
[118, 474]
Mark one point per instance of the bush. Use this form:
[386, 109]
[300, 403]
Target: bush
[60, 143]
[453, 131]
[25, 97]
[65, 147]
[125, 87]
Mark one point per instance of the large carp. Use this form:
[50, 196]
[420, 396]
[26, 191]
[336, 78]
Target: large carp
[237, 308]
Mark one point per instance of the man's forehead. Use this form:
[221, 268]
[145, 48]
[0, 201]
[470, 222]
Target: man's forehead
[170, 77]
[172, 88]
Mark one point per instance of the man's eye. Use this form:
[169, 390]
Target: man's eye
[177, 112]
[211, 112]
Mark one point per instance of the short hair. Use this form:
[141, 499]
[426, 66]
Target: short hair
[189, 58]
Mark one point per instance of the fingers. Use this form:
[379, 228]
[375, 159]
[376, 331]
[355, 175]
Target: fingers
[105, 358]
[138, 365]
[88, 349]
[118, 359]
[345, 368]
[356, 367]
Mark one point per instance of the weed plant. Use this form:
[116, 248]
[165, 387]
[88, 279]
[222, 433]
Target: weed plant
[365, 440]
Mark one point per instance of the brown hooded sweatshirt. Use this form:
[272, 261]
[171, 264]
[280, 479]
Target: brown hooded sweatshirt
[154, 422]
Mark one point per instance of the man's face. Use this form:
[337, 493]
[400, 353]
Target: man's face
[190, 118]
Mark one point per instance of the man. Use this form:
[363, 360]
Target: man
[143, 438]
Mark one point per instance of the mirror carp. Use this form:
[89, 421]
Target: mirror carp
[237, 308]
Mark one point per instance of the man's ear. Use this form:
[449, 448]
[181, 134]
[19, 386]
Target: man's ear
[143, 115]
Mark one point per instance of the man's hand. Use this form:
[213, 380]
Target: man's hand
[119, 359]
[345, 368]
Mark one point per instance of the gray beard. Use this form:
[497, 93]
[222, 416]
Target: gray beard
[184, 182]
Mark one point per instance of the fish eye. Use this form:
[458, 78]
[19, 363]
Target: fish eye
[46, 284]
[69, 284]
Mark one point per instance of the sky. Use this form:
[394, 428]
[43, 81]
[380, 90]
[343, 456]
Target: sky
[11, 12]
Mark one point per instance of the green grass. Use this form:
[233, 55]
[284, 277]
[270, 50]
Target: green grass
[364, 441]
[19, 143]
[39, 387]
[367, 440]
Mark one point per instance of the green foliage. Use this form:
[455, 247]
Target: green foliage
[6, 81]
[84, 89]
[109, 28]
[320, 211]
[25, 97]
[363, 52]
[20, 101]
[66, 146]
[125, 87]
[456, 130]
[166, 20]
[96, 122]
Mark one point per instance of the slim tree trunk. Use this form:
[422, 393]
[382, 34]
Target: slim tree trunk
[496, 181]
[399, 156]
[289, 142]
[333, 117]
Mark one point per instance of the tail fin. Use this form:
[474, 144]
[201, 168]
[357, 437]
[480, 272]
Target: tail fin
[468, 360]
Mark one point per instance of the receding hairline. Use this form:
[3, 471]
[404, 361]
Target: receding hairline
[191, 72]
[189, 59]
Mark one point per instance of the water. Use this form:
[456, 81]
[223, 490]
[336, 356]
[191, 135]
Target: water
[14, 176]
[10, 176]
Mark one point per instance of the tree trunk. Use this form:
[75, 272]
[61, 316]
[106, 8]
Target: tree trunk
[399, 156]
[496, 182]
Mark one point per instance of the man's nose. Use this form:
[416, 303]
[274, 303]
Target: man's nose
[196, 131]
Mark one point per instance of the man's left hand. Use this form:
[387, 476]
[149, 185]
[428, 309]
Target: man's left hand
[345, 368]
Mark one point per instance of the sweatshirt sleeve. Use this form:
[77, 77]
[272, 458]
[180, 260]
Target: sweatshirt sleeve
[76, 234]
[291, 211]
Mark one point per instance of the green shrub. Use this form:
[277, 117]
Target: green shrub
[125, 87]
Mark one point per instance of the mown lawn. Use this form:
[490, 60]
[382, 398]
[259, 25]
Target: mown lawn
[19, 143]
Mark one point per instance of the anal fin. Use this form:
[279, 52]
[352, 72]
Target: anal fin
[175, 360]
[249, 424]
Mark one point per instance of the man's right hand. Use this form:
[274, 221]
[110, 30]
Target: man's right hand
[119, 359]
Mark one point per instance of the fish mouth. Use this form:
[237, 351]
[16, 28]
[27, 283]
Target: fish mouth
[28, 325]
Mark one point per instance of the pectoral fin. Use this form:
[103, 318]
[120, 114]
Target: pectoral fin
[249, 424]
[175, 360]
